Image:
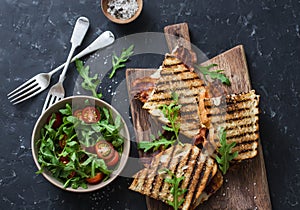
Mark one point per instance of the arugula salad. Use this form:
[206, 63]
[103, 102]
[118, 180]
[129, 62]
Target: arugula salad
[80, 146]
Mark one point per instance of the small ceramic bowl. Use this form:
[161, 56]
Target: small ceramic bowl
[77, 101]
[104, 6]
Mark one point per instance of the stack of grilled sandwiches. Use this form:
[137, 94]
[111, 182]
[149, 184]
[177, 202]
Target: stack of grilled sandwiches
[195, 160]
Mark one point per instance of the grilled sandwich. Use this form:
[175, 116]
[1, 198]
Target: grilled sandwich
[238, 115]
[143, 87]
[197, 167]
[175, 77]
[200, 118]
[213, 186]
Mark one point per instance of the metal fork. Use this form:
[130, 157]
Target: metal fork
[41, 81]
[57, 91]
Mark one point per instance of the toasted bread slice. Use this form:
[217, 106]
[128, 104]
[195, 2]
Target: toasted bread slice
[213, 186]
[238, 114]
[189, 161]
[176, 77]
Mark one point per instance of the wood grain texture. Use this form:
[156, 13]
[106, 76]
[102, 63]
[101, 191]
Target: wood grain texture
[234, 63]
[177, 35]
[178, 40]
[245, 185]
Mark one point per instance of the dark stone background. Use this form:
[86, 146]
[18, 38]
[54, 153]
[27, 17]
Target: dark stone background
[34, 37]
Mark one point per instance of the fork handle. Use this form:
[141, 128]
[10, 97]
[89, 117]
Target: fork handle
[79, 31]
[104, 40]
[63, 73]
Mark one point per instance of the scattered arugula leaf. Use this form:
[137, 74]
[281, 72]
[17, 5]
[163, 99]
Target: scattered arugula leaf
[89, 83]
[176, 191]
[217, 74]
[118, 62]
[155, 144]
[225, 152]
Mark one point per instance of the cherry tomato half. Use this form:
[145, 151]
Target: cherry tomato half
[114, 160]
[64, 160]
[57, 122]
[104, 150]
[96, 179]
[78, 114]
[90, 114]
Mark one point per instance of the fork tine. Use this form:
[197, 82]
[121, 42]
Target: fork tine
[51, 99]
[31, 93]
[24, 90]
[21, 86]
[56, 99]
[47, 101]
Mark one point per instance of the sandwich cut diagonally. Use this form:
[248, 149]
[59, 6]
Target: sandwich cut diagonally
[196, 166]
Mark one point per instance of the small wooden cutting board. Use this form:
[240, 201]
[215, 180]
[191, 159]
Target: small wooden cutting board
[245, 185]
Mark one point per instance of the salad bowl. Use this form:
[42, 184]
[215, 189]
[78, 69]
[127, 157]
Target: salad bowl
[80, 144]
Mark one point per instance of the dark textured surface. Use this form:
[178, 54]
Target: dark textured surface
[35, 37]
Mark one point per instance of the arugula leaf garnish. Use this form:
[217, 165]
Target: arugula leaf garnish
[217, 74]
[171, 112]
[176, 191]
[155, 144]
[89, 83]
[118, 62]
[225, 152]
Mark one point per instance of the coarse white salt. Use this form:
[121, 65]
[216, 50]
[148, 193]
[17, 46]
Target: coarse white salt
[122, 9]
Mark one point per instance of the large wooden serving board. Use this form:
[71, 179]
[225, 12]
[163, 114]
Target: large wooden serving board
[245, 185]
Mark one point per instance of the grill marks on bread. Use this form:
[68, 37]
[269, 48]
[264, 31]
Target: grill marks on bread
[189, 161]
[177, 77]
[213, 186]
[238, 114]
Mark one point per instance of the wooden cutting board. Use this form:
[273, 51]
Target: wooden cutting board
[245, 185]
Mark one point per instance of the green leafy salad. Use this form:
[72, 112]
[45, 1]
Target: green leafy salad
[81, 146]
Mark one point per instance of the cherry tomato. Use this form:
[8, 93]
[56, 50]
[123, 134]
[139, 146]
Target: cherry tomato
[96, 179]
[57, 122]
[64, 160]
[114, 160]
[78, 114]
[90, 114]
[104, 150]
